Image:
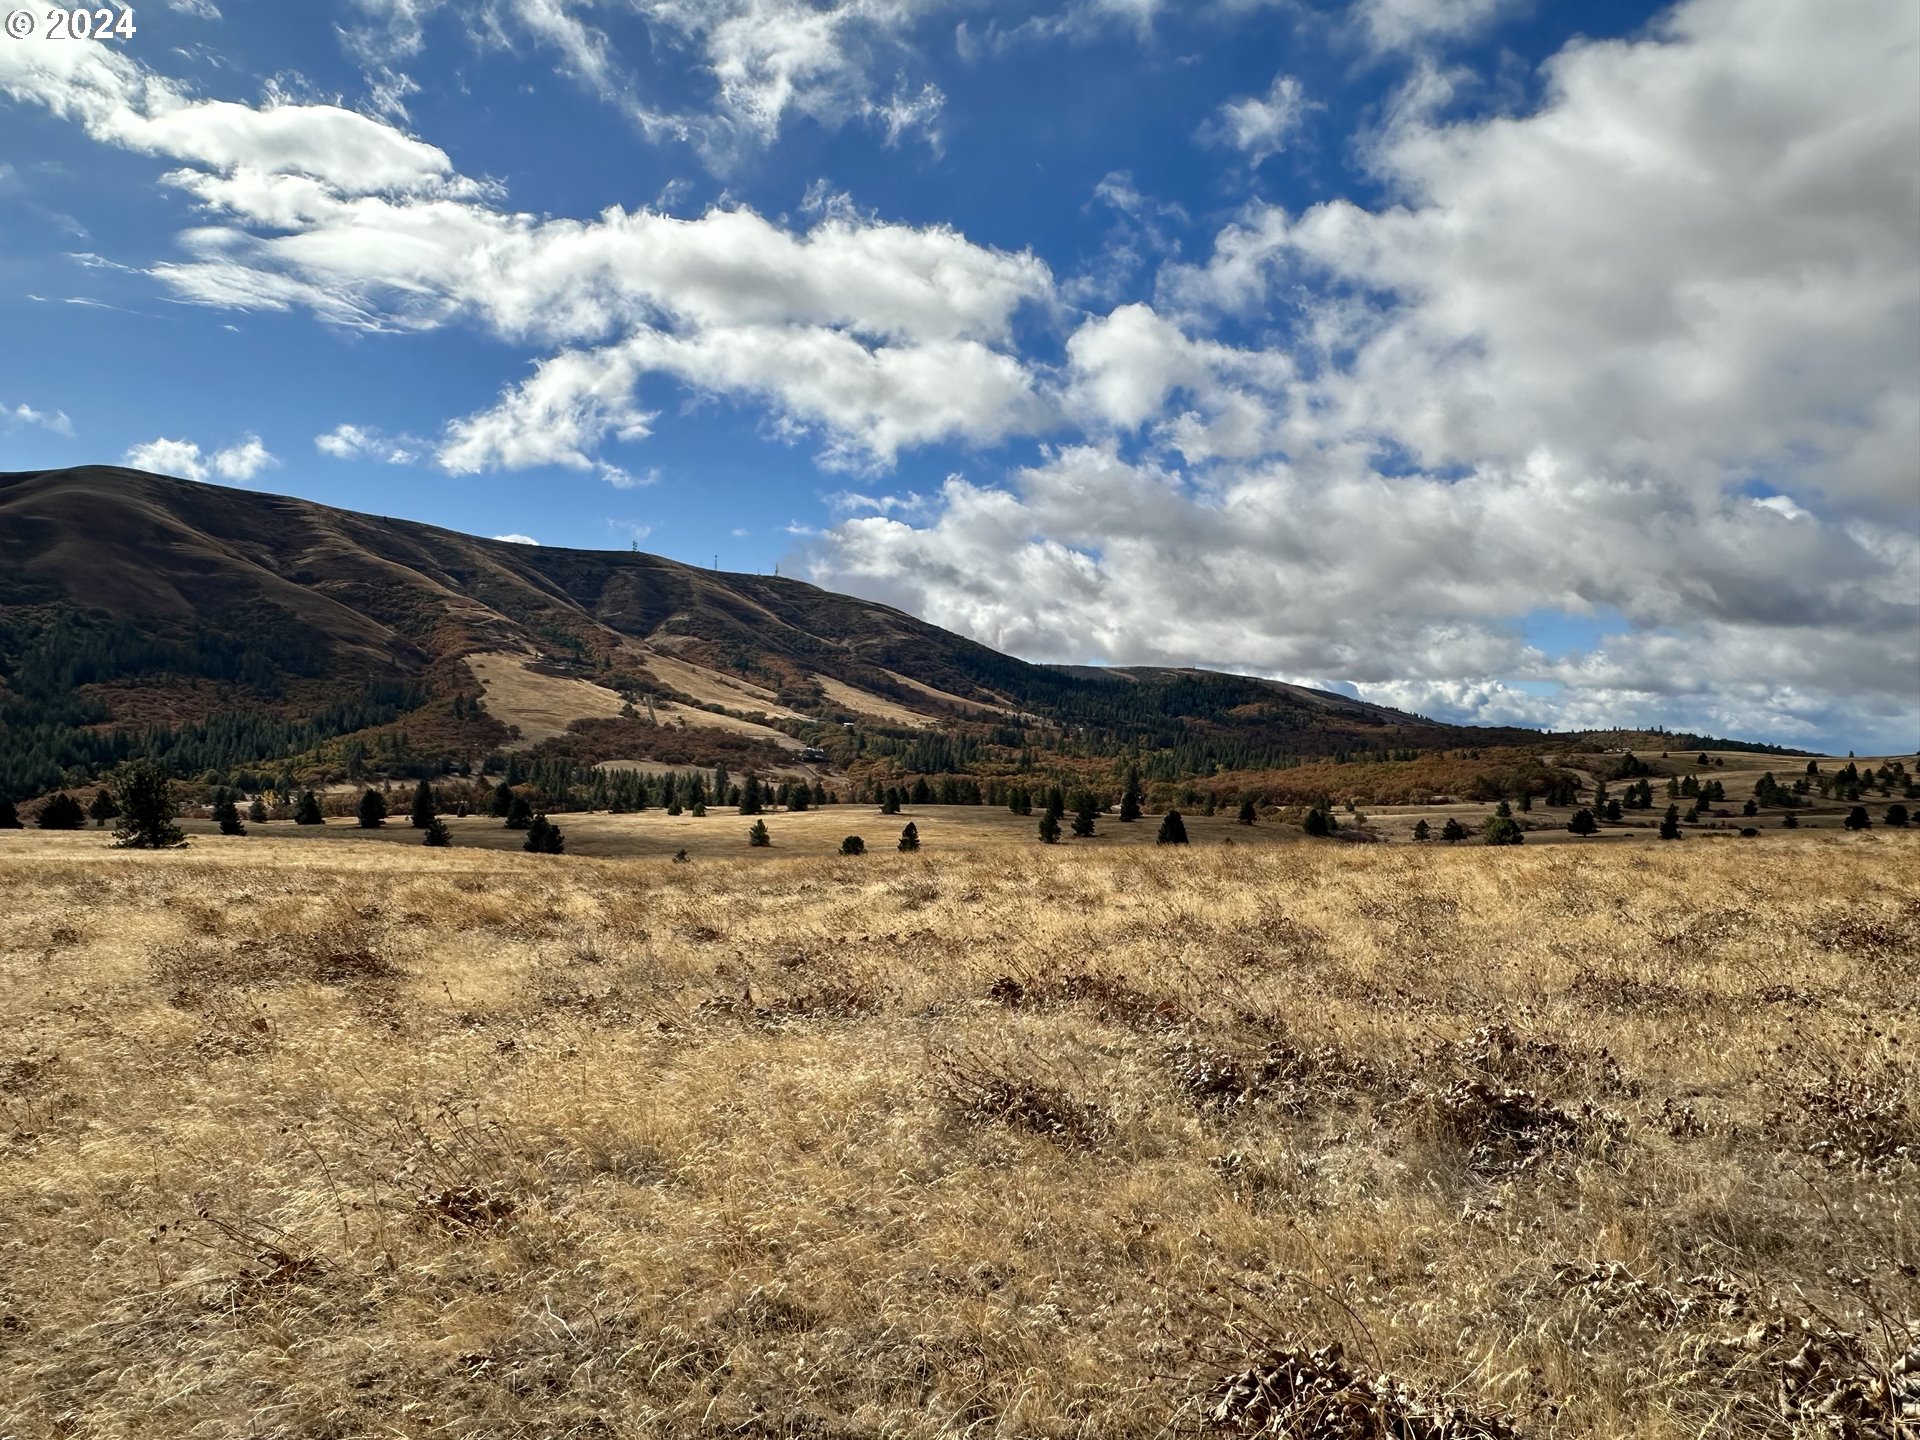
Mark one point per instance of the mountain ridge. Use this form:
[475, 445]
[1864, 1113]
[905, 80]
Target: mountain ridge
[162, 603]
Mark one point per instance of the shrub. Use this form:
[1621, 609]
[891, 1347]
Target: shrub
[145, 796]
[1248, 814]
[435, 833]
[1453, 831]
[373, 810]
[853, 845]
[1318, 822]
[62, 812]
[910, 837]
[1897, 817]
[1858, 819]
[1422, 831]
[1173, 830]
[758, 836]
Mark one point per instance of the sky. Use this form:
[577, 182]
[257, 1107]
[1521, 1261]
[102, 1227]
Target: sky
[1507, 361]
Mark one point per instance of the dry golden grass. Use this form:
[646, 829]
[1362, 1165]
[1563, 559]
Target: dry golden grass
[332, 1140]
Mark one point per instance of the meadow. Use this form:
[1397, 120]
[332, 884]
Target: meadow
[303, 1138]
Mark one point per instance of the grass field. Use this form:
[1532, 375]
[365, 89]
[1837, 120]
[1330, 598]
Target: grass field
[306, 1138]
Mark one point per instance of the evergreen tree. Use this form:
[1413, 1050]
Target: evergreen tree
[1750, 809]
[1049, 829]
[1422, 831]
[1503, 830]
[62, 812]
[890, 801]
[423, 806]
[308, 811]
[750, 797]
[1173, 830]
[145, 796]
[373, 810]
[853, 845]
[519, 814]
[1130, 800]
[1670, 825]
[910, 838]
[9, 816]
[1583, 823]
[102, 809]
[1897, 818]
[1503, 811]
[1789, 821]
[1085, 815]
[1613, 812]
[798, 798]
[1453, 830]
[502, 801]
[227, 815]
[758, 836]
[257, 812]
[1248, 813]
[544, 837]
[1318, 822]
[1056, 802]
[921, 794]
[1857, 818]
[1526, 802]
[436, 834]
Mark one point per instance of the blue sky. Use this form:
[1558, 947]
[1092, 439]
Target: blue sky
[1504, 361]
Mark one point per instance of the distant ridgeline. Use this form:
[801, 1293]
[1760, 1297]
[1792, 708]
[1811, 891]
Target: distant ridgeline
[248, 640]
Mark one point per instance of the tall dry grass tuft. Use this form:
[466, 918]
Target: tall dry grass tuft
[342, 1141]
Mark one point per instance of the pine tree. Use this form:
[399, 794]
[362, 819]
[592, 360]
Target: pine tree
[1897, 817]
[1857, 818]
[1318, 822]
[9, 816]
[62, 812]
[145, 796]
[910, 838]
[853, 845]
[1049, 829]
[102, 809]
[1130, 800]
[1613, 812]
[1248, 812]
[1422, 831]
[798, 798]
[1670, 824]
[519, 814]
[1503, 830]
[1453, 831]
[1173, 830]
[544, 837]
[1085, 815]
[1789, 821]
[423, 806]
[758, 836]
[436, 834]
[502, 801]
[257, 812]
[1503, 811]
[1582, 823]
[922, 794]
[750, 797]
[308, 812]
[227, 815]
[373, 810]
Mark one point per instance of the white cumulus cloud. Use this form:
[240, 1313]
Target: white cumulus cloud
[238, 463]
